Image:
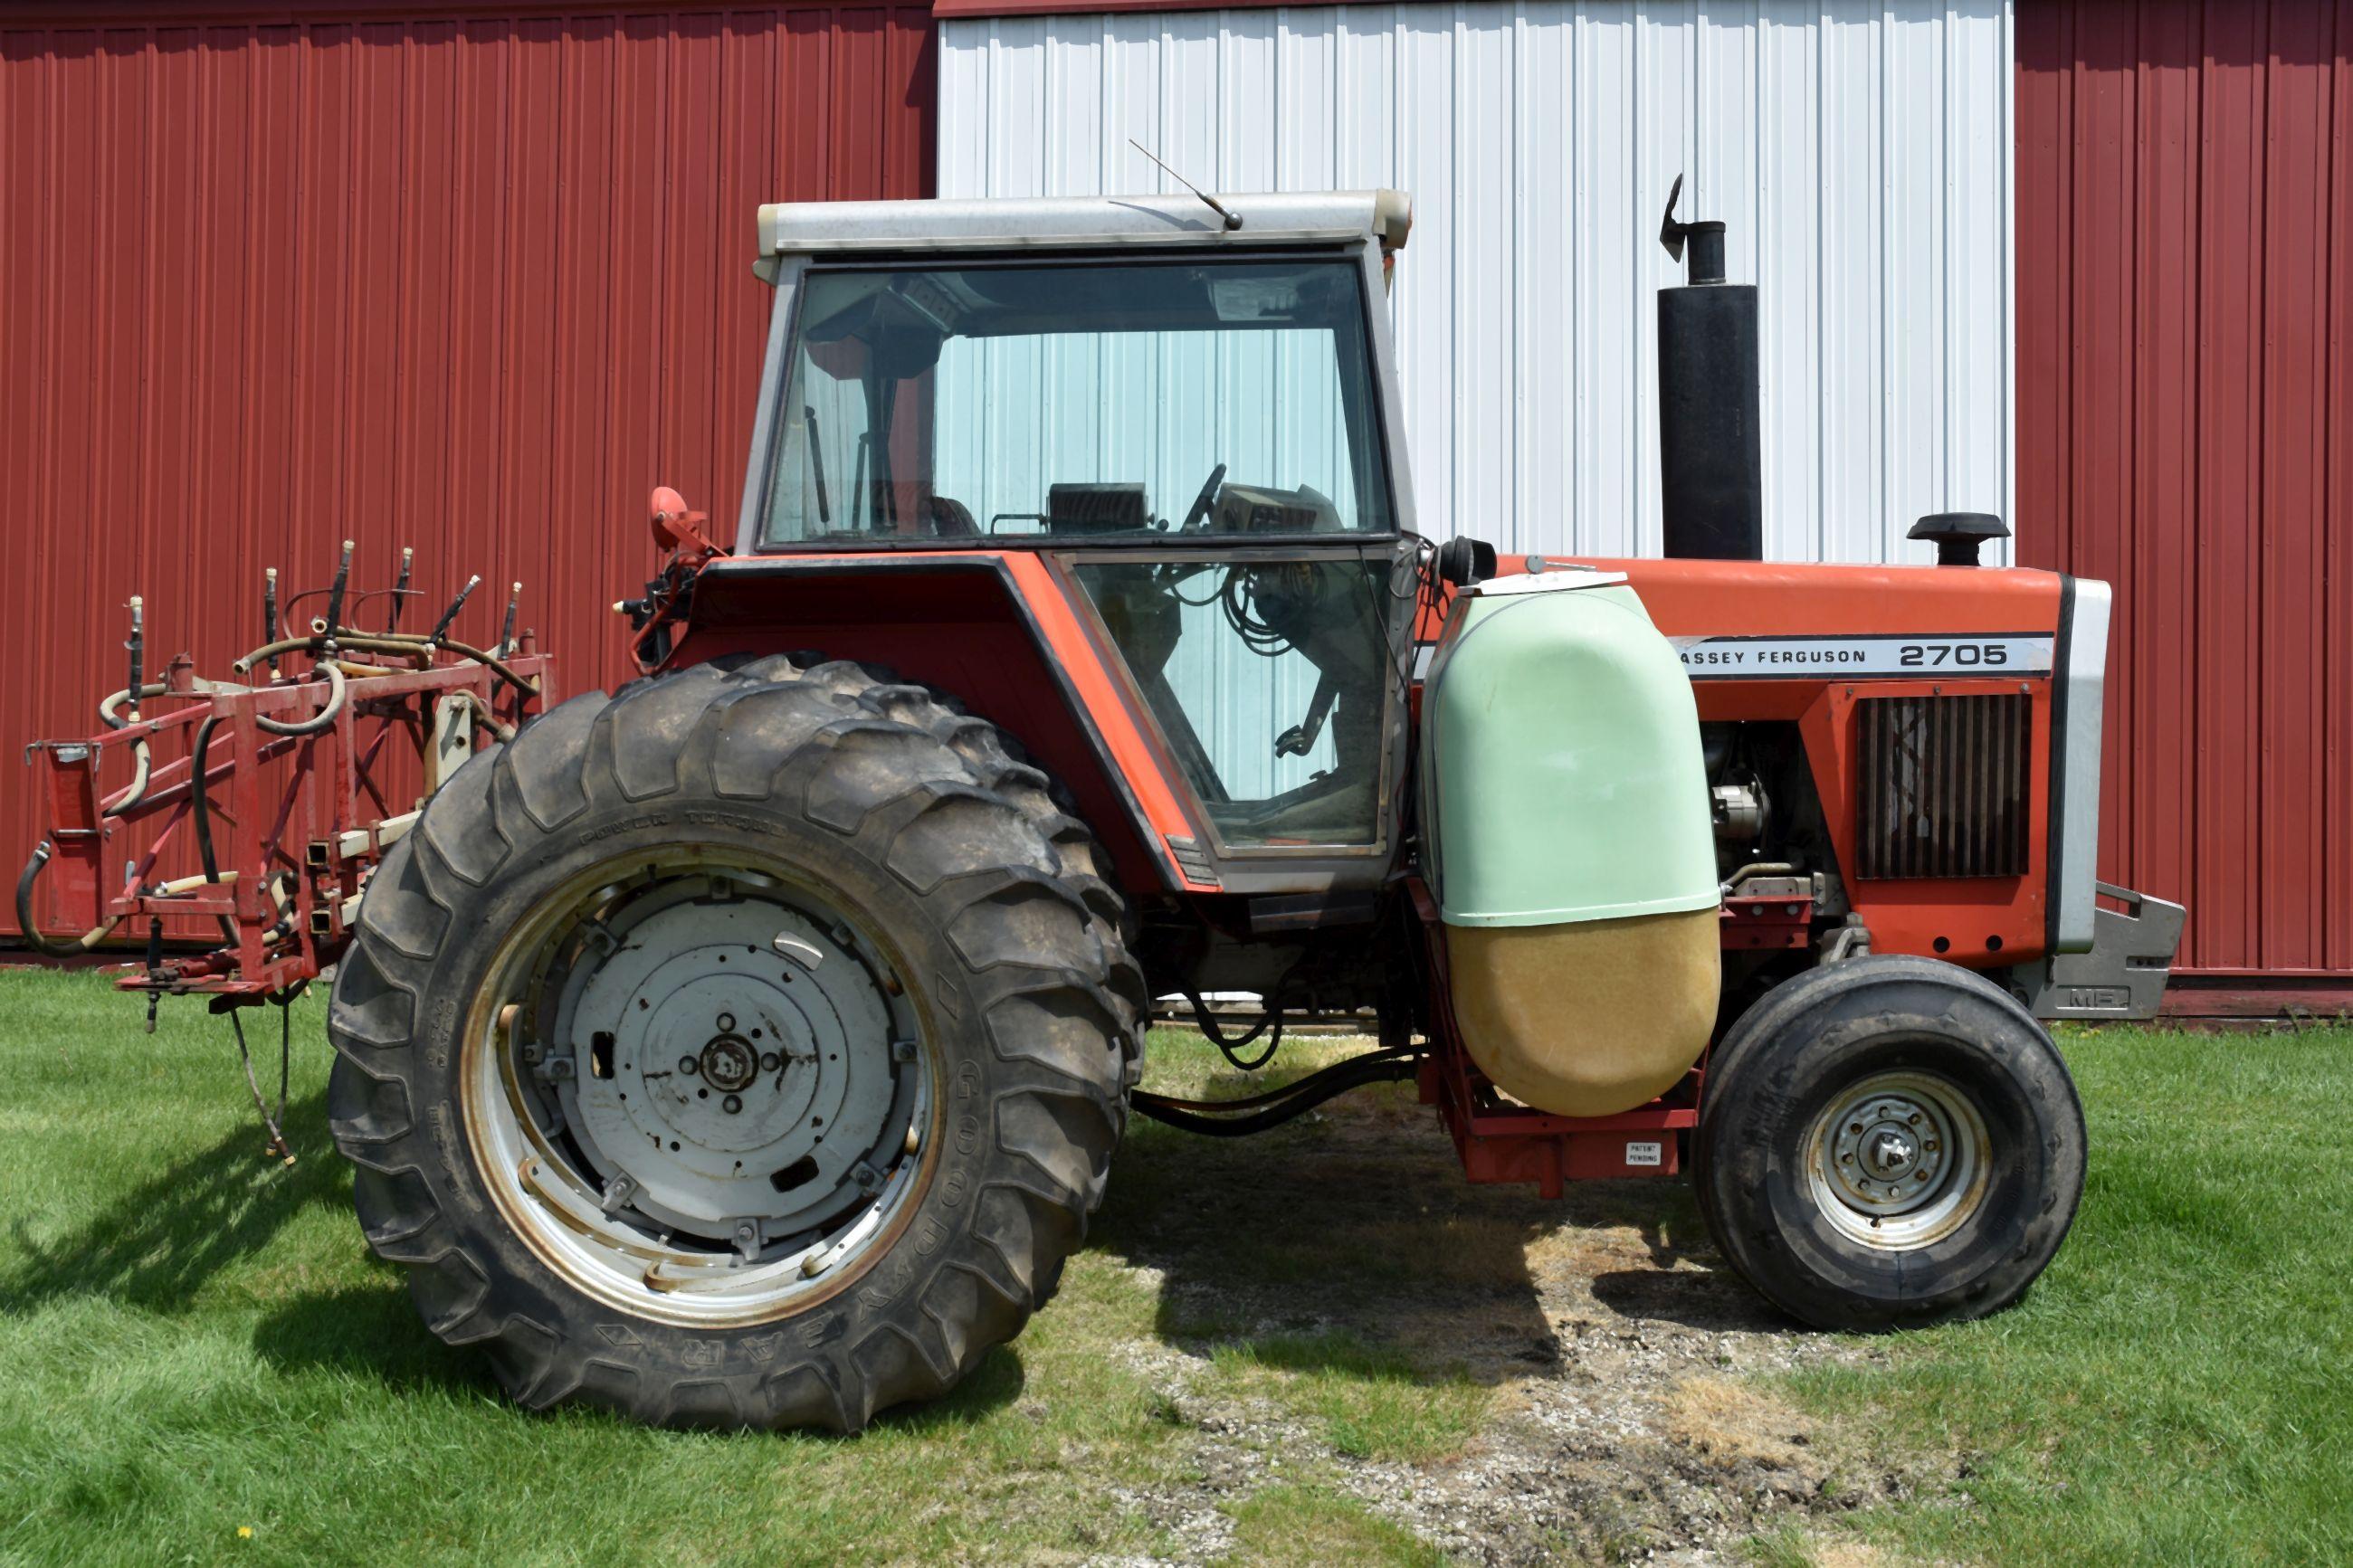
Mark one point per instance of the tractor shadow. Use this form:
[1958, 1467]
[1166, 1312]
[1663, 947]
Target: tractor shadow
[223, 1209]
[1351, 1239]
[161, 1244]
[373, 1332]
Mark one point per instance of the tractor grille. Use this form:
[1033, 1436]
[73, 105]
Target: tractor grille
[1944, 786]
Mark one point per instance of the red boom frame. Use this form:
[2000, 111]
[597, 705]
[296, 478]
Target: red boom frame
[300, 839]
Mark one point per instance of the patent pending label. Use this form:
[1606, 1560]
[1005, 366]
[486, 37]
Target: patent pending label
[1884, 654]
[1645, 1153]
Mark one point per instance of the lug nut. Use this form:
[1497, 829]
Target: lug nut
[727, 1023]
[733, 1103]
[689, 1066]
[770, 1061]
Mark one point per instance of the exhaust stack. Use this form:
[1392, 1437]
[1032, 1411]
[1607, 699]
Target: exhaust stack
[1711, 452]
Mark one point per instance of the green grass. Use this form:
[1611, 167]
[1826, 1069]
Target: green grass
[194, 1341]
[1286, 1524]
[1368, 1402]
[2179, 1387]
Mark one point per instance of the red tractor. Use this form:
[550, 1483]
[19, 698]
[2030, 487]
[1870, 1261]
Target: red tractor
[749, 1046]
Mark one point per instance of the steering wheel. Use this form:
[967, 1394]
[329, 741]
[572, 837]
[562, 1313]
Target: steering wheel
[1202, 503]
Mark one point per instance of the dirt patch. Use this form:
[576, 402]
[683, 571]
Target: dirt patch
[1627, 1412]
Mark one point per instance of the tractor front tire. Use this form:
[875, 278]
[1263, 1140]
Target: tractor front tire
[607, 1003]
[1888, 1143]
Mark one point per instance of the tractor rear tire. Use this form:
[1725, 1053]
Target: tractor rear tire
[1888, 1143]
[872, 909]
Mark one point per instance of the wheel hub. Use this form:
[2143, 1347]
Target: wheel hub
[700, 1089]
[1897, 1160]
[731, 1079]
[729, 1063]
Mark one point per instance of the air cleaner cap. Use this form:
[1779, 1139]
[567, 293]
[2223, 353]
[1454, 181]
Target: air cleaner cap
[1958, 535]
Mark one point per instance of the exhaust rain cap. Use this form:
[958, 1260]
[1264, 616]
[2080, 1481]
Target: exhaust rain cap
[1705, 236]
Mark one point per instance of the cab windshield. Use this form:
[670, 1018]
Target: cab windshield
[1082, 401]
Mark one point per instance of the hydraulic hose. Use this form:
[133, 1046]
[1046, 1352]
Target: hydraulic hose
[73, 947]
[375, 642]
[1300, 1097]
[200, 799]
[1230, 1046]
[142, 761]
[1278, 1096]
[318, 722]
[41, 941]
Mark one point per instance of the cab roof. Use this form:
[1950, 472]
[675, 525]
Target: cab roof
[1061, 223]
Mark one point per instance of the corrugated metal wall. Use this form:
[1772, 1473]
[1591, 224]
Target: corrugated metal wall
[2186, 431]
[1861, 154]
[473, 283]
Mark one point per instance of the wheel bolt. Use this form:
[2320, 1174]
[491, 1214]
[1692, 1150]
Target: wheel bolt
[727, 1023]
[770, 1061]
[689, 1066]
[733, 1103]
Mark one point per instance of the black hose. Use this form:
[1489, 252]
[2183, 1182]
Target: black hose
[1300, 1097]
[1277, 1096]
[335, 596]
[200, 799]
[400, 589]
[318, 722]
[443, 626]
[404, 644]
[1230, 1046]
[40, 941]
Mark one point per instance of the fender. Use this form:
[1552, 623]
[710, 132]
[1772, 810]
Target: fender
[996, 628]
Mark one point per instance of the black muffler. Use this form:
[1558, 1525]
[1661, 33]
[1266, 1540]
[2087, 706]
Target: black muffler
[1711, 447]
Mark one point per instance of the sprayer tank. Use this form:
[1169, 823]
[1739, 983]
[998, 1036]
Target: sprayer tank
[1566, 829]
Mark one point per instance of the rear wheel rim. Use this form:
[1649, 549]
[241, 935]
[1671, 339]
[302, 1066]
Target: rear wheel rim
[1898, 1161]
[698, 1088]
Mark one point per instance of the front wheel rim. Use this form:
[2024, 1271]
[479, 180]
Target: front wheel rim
[1898, 1161]
[699, 1088]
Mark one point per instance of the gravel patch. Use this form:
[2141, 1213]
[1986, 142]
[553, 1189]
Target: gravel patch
[1631, 1412]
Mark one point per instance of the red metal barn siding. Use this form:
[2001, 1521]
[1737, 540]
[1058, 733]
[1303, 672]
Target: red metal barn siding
[468, 282]
[2185, 288]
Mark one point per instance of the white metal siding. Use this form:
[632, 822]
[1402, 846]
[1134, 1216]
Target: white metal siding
[1859, 154]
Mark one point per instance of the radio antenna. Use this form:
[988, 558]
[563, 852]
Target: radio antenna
[1233, 219]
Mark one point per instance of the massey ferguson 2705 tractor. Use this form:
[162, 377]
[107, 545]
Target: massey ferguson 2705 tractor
[750, 1045]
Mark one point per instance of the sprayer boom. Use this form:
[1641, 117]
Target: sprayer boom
[240, 822]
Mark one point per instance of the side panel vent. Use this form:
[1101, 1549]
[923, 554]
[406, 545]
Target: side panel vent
[1945, 785]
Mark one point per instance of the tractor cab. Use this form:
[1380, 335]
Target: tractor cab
[1189, 424]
